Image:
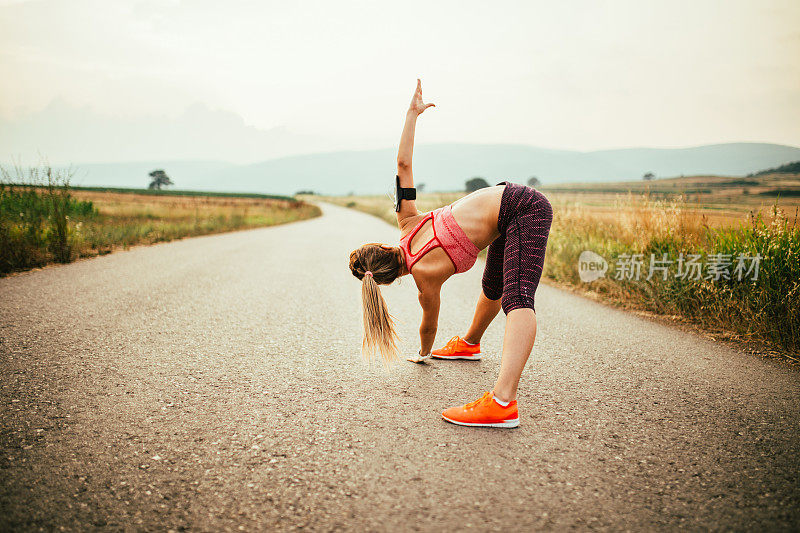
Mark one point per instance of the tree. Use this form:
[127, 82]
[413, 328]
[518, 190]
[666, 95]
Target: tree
[533, 181]
[476, 183]
[159, 179]
[649, 176]
[420, 187]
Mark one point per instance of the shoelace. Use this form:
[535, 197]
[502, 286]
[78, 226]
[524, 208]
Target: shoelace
[452, 344]
[479, 400]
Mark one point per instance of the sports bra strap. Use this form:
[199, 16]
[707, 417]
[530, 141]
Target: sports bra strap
[447, 235]
[405, 243]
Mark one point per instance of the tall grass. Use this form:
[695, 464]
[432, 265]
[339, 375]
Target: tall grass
[37, 216]
[764, 308]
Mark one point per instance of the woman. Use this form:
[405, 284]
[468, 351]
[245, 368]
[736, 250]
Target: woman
[514, 222]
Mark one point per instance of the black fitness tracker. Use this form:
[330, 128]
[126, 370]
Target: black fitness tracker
[403, 193]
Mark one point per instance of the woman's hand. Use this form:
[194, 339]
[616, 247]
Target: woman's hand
[417, 105]
[419, 359]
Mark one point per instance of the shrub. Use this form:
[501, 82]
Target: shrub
[37, 213]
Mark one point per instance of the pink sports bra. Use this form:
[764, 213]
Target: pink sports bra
[448, 235]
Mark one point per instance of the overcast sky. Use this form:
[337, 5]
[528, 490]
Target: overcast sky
[574, 74]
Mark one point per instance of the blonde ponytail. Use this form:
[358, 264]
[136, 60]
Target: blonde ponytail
[376, 264]
[379, 333]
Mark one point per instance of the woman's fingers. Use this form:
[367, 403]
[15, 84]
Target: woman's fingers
[416, 102]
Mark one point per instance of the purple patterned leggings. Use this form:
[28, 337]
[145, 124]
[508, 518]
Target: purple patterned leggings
[515, 259]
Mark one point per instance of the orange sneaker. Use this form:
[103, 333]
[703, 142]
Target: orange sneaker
[484, 412]
[456, 348]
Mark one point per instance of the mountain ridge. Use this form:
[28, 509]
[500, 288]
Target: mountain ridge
[443, 166]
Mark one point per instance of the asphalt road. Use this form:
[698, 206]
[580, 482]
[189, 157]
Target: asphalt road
[216, 384]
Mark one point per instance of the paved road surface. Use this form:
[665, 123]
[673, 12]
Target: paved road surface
[216, 383]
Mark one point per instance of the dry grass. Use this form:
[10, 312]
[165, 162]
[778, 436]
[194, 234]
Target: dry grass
[126, 219]
[97, 222]
[722, 201]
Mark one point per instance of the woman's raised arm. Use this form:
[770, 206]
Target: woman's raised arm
[406, 151]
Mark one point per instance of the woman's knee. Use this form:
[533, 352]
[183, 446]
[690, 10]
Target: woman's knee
[511, 302]
[492, 280]
[492, 291]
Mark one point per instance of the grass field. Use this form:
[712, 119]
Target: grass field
[616, 221]
[723, 201]
[179, 192]
[45, 224]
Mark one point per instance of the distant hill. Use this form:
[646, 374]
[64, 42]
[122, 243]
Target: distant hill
[65, 133]
[448, 166]
[135, 174]
[445, 167]
[788, 168]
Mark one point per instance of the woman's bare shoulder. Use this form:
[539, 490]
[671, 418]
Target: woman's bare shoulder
[408, 223]
[427, 280]
[433, 270]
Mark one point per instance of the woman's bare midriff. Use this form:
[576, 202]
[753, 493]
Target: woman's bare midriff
[477, 214]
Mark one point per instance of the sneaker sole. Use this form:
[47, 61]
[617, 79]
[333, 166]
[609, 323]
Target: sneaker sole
[475, 357]
[504, 424]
